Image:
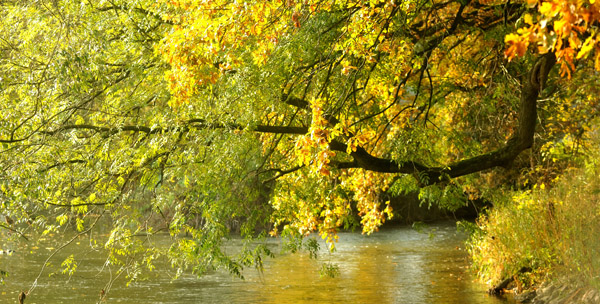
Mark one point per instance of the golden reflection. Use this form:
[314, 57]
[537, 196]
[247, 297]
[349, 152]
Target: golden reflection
[295, 278]
[394, 266]
[373, 276]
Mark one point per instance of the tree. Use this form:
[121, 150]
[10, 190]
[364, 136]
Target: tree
[208, 117]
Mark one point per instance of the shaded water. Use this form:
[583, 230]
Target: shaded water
[397, 265]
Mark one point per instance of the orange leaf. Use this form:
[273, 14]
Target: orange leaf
[517, 46]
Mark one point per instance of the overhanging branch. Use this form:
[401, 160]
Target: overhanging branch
[521, 140]
[189, 125]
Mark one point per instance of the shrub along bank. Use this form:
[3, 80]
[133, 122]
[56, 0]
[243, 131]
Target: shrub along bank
[548, 234]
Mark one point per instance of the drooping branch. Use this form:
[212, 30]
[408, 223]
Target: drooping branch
[432, 43]
[532, 84]
[281, 173]
[186, 127]
[73, 161]
[140, 10]
[7, 227]
[190, 124]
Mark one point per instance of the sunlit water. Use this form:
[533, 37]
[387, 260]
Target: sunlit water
[396, 265]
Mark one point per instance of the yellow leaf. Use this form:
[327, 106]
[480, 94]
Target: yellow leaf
[550, 9]
[528, 19]
[586, 48]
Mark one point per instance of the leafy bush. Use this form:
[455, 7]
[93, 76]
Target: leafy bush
[552, 229]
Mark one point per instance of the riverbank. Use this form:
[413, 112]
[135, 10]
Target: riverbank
[551, 231]
[562, 292]
[565, 291]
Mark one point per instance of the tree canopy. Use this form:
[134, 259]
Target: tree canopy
[204, 118]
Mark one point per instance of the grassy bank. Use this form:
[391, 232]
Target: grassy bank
[552, 229]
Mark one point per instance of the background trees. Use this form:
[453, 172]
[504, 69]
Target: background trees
[207, 117]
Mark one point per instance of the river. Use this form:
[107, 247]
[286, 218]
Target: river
[395, 265]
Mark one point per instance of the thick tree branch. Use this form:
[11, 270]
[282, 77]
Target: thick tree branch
[362, 159]
[521, 140]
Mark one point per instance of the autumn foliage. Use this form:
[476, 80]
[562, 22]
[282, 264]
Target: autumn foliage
[566, 28]
[378, 76]
[208, 118]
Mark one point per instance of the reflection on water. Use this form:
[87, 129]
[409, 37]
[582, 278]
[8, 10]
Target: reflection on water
[396, 265]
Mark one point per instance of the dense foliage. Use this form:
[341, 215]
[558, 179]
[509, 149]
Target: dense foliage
[549, 229]
[207, 118]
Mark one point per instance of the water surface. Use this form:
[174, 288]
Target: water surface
[395, 265]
